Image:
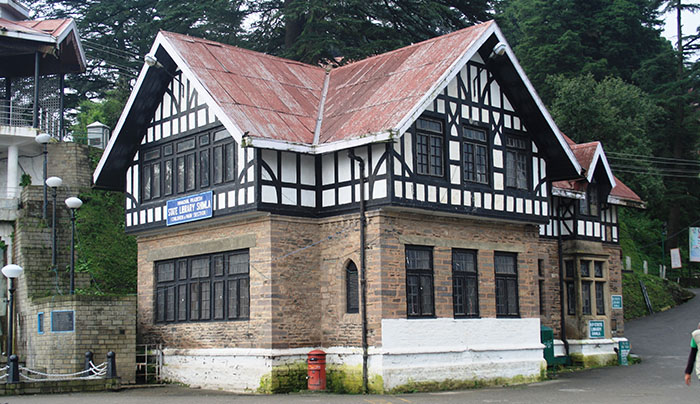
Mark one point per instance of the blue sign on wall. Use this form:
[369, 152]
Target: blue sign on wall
[189, 208]
[617, 301]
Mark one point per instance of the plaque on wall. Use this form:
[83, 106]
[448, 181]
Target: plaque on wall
[189, 208]
[63, 321]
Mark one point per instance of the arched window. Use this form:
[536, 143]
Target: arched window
[351, 289]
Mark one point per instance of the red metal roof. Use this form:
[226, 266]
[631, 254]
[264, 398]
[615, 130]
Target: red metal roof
[53, 28]
[280, 99]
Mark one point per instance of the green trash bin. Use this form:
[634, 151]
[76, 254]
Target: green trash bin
[547, 338]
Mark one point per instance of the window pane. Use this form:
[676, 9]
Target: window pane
[170, 304]
[586, 297]
[570, 298]
[238, 264]
[600, 298]
[182, 269]
[221, 135]
[585, 268]
[505, 264]
[166, 271]
[219, 300]
[598, 267]
[194, 301]
[204, 140]
[168, 178]
[522, 170]
[459, 295]
[155, 192]
[200, 267]
[218, 262]
[232, 299]
[512, 293]
[180, 174]
[418, 259]
[412, 295]
[185, 145]
[511, 173]
[474, 134]
[151, 155]
[218, 164]
[583, 207]
[481, 165]
[422, 154]
[429, 125]
[206, 299]
[569, 266]
[351, 288]
[426, 290]
[204, 168]
[182, 303]
[435, 155]
[501, 297]
[190, 171]
[472, 296]
[168, 149]
[244, 290]
[146, 172]
[464, 261]
[228, 164]
[160, 305]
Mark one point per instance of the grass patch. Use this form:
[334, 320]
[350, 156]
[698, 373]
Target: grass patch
[663, 294]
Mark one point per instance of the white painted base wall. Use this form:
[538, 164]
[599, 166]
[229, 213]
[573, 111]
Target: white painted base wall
[412, 351]
[588, 347]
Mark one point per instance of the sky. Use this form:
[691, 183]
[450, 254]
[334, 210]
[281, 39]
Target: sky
[690, 22]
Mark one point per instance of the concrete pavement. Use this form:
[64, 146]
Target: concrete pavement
[662, 340]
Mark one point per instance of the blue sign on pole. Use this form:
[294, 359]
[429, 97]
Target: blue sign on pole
[189, 208]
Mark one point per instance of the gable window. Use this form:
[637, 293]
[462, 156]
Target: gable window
[590, 205]
[475, 154]
[351, 291]
[465, 290]
[419, 282]
[506, 275]
[429, 140]
[517, 157]
[203, 288]
[187, 165]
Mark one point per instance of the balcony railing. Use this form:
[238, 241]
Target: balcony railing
[21, 115]
[17, 106]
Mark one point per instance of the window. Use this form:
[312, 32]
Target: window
[590, 206]
[569, 267]
[475, 154]
[203, 288]
[540, 284]
[598, 269]
[516, 162]
[586, 297]
[600, 298]
[429, 139]
[570, 299]
[40, 322]
[505, 265]
[465, 290]
[351, 290]
[585, 268]
[419, 282]
[181, 166]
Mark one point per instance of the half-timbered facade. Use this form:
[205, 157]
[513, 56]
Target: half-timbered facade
[243, 182]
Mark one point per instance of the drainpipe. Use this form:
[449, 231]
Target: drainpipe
[35, 120]
[562, 284]
[61, 105]
[363, 279]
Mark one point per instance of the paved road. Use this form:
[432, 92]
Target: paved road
[662, 340]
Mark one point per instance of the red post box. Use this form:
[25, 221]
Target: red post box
[316, 362]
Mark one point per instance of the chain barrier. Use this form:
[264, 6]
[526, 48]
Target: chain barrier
[94, 372]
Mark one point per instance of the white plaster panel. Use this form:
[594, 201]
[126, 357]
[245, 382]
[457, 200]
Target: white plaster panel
[455, 174]
[221, 201]
[440, 106]
[519, 205]
[379, 190]
[477, 199]
[308, 198]
[516, 123]
[128, 220]
[201, 117]
[149, 215]
[498, 181]
[498, 158]
[453, 127]
[327, 169]
[495, 94]
[614, 233]
[454, 150]
[506, 104]
[328, 197]
[484, 115]
[408, 149]
[528, 206]
[308, 170]
[270, 158]
[467, 198]
[410, 187]
[487, 201]
[378, 151]
[581, 228]
[289, 196]
[507, 121]
[497, 142]
[420, 192]
[614, 214]
[398, 169]
[510, 204]
[157, 214]
[475, 114]
[432, 193]
[142, 216]
[398, 189]
[545, 208]
[496, 117]
[135, 218]
[498, 202]
[452, 88]
[589, 228]
[456, 197]
[465, 111]
[289, 168]
[241, 196]
[596, 229]
[537, 209]
[443, 194]
[344, 195]
[250, 193]
[231, 198]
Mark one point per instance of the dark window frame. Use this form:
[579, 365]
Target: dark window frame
[432, 138]
[352, 295]
[470, 161]
[466, 280]
[180, 161]
[513, 156]
[419, 275]
[199, 299]
[510, 282]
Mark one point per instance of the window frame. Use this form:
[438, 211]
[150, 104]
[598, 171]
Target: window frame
[430, 137]
[466, 277]
[420, 274]
[352, 306]
[475, 143]
[513, 181]
[170, 306]
[509, 280]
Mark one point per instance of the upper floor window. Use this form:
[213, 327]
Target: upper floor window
[429, 147]
[475, 154]
[419, 282]
[590, 205]
[465, 289]
[506, 269]
[203, 288]
[517, 157]
[187, 164]
[351, 290]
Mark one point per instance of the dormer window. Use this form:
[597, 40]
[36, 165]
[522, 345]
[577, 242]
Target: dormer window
[429, 140]
[590, 205]
[517, 157]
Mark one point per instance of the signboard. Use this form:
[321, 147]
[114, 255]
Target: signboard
[596, 329]
[616, 301]
[694, 235]
[63, 321]
[676, 258]
[189, 208]
[623, 352]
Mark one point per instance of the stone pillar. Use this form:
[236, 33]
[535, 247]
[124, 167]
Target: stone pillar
[12, 166]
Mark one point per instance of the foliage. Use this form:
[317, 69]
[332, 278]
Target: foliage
[663, 294]
[103, 248]
[25, 180]
[337, 31]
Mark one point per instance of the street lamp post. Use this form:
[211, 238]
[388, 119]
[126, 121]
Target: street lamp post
[54, 183]
[43, 139]
[11, 271]
[73, 204]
